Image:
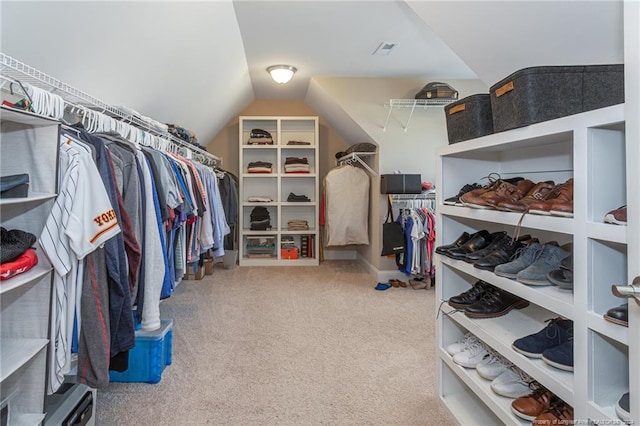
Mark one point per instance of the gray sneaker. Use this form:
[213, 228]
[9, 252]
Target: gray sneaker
[524, 257]
[549, 259]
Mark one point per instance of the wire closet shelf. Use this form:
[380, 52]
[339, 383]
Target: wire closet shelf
[15, 71]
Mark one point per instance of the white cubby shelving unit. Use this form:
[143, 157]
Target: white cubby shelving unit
[591, 148]
[277, 186]
[28, 144]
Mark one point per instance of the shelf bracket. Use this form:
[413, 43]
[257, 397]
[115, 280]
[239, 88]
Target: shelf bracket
[355, 157]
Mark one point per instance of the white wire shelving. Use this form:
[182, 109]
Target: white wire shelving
[13, 71]
[413, 104]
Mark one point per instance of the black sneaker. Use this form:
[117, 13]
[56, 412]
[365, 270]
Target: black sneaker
[455, 201]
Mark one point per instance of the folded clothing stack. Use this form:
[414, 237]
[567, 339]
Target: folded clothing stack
[296, 165]
[260, 219]
[16, 254]
[298, 225]
[259, 167]
[297, 198]
[295, 142]
[260, 137]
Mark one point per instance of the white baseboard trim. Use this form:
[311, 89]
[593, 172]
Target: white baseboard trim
[381, 276]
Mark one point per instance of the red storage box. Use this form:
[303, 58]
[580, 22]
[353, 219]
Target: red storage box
[289, 253]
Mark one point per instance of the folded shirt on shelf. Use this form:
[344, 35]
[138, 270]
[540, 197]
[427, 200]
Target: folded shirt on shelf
[297, 198]
[294, 142]
[297, 169]
[14, 243]
[260, 141]
[298, 225]
[296, 160]
[259, 167]
[259, 199]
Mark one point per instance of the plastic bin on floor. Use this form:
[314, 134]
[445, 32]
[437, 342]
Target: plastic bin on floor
[149, 357]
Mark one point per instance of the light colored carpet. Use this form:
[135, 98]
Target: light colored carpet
[290, 346]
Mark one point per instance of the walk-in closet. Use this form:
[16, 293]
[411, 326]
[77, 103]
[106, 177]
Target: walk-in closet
[319, 213]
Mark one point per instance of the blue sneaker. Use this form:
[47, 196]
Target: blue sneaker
[561, 356]
[557, 332]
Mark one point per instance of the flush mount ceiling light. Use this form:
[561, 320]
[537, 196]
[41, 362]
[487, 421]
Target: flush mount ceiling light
[281, 74]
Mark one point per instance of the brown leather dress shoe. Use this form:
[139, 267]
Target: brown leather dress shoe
[531, 406]
[517, 192]
[559, 413]
[497, 189]
[561, 197]
[538, 192]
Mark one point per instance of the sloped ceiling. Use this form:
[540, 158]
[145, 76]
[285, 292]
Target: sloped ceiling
[337, 39]
[496, 38]
[177, 62]
[199, 63]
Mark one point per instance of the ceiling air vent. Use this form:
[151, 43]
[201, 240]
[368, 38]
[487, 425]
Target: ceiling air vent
[384, 48]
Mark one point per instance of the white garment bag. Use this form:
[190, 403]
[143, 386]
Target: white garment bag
[346, 206]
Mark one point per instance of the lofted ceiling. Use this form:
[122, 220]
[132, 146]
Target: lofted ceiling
[199, 63]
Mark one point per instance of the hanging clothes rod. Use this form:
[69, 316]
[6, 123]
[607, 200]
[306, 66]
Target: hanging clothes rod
[19, 72]
[354, 157]
[422, 196]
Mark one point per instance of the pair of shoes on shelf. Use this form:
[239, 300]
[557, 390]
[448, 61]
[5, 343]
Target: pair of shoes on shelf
[455, 200]
[553, 344]
[617, 216]
[542, 407]
[468, 352]
[506, 379]
[562, 276]
[499, 251]
[520, 195]
[538, 401]
[511, 383]
[499, 190]
[618, 315]
[492, 365]
[465, 243]
[533, 263]
[484, 300]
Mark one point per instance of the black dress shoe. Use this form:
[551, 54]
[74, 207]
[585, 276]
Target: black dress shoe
[618, 315]
[470, 296]
[457, 243]
[478, 241]
[496, 237]
[501, 254]
[495, 303]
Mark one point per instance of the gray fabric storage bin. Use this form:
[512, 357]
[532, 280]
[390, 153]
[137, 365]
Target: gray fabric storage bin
[400, 184]
[536, 94]
[603, 86]
[469, 118]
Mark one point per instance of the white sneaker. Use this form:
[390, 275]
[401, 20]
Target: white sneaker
[460, 346]
[492, 365]
[512, 383]
[472, 355]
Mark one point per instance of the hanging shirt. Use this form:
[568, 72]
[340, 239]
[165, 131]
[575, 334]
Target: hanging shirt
[81, 219]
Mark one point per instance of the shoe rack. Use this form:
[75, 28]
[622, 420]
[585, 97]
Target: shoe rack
[593, 148]
[277, 185]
